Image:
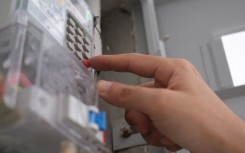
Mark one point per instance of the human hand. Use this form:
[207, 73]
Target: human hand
[178, 107]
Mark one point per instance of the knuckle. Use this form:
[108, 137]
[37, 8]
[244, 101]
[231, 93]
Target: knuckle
[186, 65]
[183, 63]
[129, 117]
[161, 94]
[172, 148]
[134, 54]
[124, 93]
[162, 103]
[158, 99]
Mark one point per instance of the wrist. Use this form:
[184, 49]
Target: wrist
[225, 135]
[230, 137]
[236, 138]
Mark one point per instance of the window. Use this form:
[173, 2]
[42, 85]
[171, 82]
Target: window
[234, 46]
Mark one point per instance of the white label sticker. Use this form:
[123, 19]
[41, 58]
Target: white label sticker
[77, 112]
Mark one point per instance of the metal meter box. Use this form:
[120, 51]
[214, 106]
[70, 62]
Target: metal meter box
[48, 98]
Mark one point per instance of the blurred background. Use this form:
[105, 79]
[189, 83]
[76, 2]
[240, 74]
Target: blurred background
[208, 33]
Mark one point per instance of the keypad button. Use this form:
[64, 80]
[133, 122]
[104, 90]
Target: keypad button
[86, 40]
[70, 30]
[79, 55]
[71, 46]
[86, 48]
[79, 32]
[70, 38]
[85, 56]
[70, 22]
[79, 47]
[79, 39]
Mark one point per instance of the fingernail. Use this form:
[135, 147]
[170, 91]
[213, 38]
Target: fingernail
[86, 63]
[104, 86]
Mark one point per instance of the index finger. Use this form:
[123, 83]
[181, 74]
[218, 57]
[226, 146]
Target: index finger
[142, 65]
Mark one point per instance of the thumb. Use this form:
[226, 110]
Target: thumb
[145, 100]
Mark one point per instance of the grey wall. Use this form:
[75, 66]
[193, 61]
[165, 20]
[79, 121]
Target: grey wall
[193, 25]
[5, 10]
[118, 37]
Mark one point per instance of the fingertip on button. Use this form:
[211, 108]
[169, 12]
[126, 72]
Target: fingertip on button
[86, 63]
